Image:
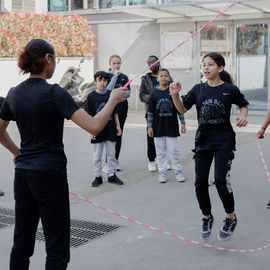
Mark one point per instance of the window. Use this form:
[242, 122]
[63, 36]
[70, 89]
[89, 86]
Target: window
[76, 4]
[23, 6]
[110, 3]
[252, 64]
[58, 5]
[90, 4]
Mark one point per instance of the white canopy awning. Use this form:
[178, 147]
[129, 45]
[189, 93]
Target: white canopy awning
[200, 10]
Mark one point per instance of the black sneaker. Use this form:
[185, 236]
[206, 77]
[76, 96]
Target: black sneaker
[98, 181]
[206, 228]
[228, 228]
[2, 193]
[115, 180]
[268, 205]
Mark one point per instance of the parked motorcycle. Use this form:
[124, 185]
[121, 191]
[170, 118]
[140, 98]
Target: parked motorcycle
[71, 79]
[72, 82]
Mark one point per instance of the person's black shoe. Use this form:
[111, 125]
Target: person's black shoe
[228, 228]
[268, 205]
[2, 193]
[206, 228]
[115, 180]
[98, 181]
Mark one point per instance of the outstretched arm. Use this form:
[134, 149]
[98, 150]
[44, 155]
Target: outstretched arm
[96, 124]
[177, 101]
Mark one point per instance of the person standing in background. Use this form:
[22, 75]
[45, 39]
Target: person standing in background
[118, 79]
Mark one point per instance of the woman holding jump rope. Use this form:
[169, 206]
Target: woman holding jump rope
[215, 138]
[40, 184]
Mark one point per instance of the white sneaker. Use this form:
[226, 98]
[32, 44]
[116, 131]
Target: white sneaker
[169, 167]
[180, 177]
[162, 178]
[105, 168]
[152, 166]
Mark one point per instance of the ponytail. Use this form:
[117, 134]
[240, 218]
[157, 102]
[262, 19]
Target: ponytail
[226, 77]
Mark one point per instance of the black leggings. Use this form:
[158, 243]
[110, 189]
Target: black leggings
[122, 120]
[223, 161]
[40, 195]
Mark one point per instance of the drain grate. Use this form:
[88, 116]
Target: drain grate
[82, 231]
[7, 217]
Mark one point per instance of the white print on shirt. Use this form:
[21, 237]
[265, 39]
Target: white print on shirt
[100, 107]
[212, 112]
[165, 107]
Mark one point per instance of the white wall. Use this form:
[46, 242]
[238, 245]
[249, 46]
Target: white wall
[41, 6]
[134, 42]
[7, 4]
[251, 71]
[10, 72]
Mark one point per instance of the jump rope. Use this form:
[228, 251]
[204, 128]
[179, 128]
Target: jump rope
[162, 231]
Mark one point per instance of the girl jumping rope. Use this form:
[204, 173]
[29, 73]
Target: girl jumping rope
[215, 138]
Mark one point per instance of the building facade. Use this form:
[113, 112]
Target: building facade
[135, 29]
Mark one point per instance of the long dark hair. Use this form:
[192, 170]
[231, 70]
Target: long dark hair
[32, 57]
[220, 61]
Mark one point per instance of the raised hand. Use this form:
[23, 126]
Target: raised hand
[116, 72]
[119, 94]
[175, 88]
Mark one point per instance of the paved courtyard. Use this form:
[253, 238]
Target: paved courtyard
[170, 207]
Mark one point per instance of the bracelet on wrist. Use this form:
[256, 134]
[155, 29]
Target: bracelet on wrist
[263, 128]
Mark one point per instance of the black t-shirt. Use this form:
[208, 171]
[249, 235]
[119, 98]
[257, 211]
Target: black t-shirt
[39, 110]
[94, 104]
[120, 82]
[165, 121]
[213, 106]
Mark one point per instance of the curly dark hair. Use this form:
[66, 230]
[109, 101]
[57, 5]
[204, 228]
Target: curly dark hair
[32, 57]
